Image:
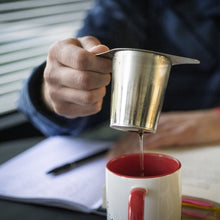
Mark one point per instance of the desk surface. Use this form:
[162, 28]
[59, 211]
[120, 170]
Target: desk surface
[13, 210]
[16, 210]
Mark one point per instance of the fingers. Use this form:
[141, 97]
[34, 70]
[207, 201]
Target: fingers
[82, 80]
[71, 53]
[92, 44]
[98, 49]
[173, 133]
[174, 130]
[158, 140]
[80, 97]
[70, 110]
[75, 78]
[73, 104]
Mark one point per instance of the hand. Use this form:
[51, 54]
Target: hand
[174, 129]
[75, 79]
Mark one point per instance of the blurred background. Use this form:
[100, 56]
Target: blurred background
[27, 29]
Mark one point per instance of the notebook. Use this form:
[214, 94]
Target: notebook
[24, 177]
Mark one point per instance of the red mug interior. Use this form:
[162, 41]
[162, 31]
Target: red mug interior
[155, 165]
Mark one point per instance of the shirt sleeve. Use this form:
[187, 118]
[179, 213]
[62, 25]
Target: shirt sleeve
[116, 23]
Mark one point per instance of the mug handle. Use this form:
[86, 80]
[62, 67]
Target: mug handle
[136, 204]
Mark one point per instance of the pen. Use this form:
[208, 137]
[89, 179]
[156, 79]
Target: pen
[76, 163]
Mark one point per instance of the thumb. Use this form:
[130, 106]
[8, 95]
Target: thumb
[98, 49]
[92, 44]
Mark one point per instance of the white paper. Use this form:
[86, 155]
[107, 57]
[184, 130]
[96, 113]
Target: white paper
[25, 176]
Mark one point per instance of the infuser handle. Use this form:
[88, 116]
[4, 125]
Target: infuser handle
[136, 204]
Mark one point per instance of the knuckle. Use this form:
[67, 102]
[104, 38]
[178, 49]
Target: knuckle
[85, 81]
[59, 47]
[108, 79]
[97, 107]
[53, 49]
[82, 60]
[103, 91]
[90, 38]
[53, 93]
[60, 108]
[71, 41]
[47, 74]
[88, 98]
[95, 96]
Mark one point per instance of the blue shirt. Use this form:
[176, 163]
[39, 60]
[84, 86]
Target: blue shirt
[184, 28]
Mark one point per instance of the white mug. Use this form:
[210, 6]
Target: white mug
[154, 196]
